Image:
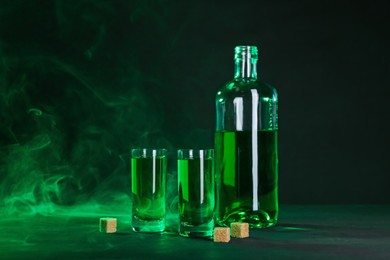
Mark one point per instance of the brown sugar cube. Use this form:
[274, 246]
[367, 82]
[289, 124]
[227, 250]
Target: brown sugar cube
[239, 230]
[107, 225]
[222, 234]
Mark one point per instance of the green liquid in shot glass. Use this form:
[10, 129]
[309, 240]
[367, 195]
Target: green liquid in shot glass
[148, 191]
[196, 196]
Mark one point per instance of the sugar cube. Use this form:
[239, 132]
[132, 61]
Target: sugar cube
[239, 230]
[107, 225]
[222, 234]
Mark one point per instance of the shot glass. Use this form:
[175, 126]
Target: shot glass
[148, 176]
[196, 192]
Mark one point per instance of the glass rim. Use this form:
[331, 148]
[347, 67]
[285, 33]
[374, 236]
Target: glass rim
[195, 153]
[149, 149]
[189, 149]
[148, 152]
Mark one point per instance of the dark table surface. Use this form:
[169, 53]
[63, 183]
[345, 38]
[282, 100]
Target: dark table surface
[304, 231]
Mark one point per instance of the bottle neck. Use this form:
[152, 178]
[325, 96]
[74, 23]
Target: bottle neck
[245, 68]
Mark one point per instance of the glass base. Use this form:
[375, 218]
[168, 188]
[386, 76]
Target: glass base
[142, 225]
[203, 230]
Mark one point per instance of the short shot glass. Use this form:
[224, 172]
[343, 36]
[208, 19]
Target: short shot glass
[196, 192]
[148, 186]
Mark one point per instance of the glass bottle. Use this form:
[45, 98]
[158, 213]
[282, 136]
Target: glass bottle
[246, 146]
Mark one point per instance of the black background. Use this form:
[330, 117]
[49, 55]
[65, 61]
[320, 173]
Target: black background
[112, 75]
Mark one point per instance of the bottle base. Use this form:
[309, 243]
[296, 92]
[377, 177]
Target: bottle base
[260, 219]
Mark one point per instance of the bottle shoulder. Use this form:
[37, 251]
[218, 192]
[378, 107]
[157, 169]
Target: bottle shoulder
[241, 87]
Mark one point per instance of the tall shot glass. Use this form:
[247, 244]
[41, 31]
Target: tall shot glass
[196, 192]
[148, 176]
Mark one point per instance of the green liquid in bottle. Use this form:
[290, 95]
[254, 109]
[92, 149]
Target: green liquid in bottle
[247, 177]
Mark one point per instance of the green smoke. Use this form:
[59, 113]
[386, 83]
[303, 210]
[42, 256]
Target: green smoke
[81, 83]
[55, 150]
[69, 114]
